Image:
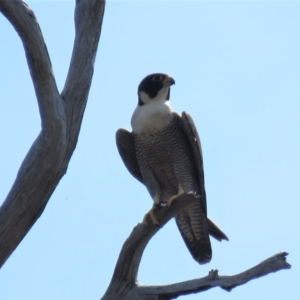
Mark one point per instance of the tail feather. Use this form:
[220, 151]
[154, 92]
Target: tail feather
[215, 231]
[194, 230]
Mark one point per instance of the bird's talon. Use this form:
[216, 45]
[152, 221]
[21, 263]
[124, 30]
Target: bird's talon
[150, 214]
[170, 201]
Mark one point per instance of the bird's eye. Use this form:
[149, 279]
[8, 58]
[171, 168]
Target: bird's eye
[156, 78]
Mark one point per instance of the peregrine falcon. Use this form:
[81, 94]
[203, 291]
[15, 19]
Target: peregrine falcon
[163, 152]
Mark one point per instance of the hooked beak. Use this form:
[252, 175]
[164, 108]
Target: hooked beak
[168, 81]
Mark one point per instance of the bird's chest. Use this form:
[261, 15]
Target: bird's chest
[150, 118]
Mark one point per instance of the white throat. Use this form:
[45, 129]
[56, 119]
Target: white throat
[152, 116]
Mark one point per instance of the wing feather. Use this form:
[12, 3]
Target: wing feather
[126, 148]
[192, 226]
[191, 133]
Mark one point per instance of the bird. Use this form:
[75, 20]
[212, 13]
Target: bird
[163, 151]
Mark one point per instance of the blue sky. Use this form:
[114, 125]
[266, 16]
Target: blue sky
[237, 71]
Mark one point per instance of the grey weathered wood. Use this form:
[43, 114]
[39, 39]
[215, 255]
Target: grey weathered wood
[125, 273]
[61, 115]
[48, 158]
[272, 264]
[124, 281]
[124, 284]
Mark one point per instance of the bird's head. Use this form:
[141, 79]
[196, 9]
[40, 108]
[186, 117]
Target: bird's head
[155, 87]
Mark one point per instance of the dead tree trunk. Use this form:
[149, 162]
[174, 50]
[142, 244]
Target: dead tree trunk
[48, 158]
[61, 115]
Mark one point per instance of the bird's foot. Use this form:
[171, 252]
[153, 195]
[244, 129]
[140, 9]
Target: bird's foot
[150, 214]
[172, 198]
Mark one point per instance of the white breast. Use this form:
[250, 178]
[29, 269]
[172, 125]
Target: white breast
[151, 116]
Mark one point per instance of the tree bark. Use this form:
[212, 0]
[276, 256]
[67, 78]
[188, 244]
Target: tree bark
[49, 156]
[61, 115]
[124, 284]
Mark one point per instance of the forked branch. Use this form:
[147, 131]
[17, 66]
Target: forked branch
[61, 115]
[124, 281]
[48, 158]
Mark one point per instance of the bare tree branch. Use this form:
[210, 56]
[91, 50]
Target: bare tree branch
[26, 25]
[48, 158]
[61, 115]
[125, 273]
[273, 264]
[123, 284]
